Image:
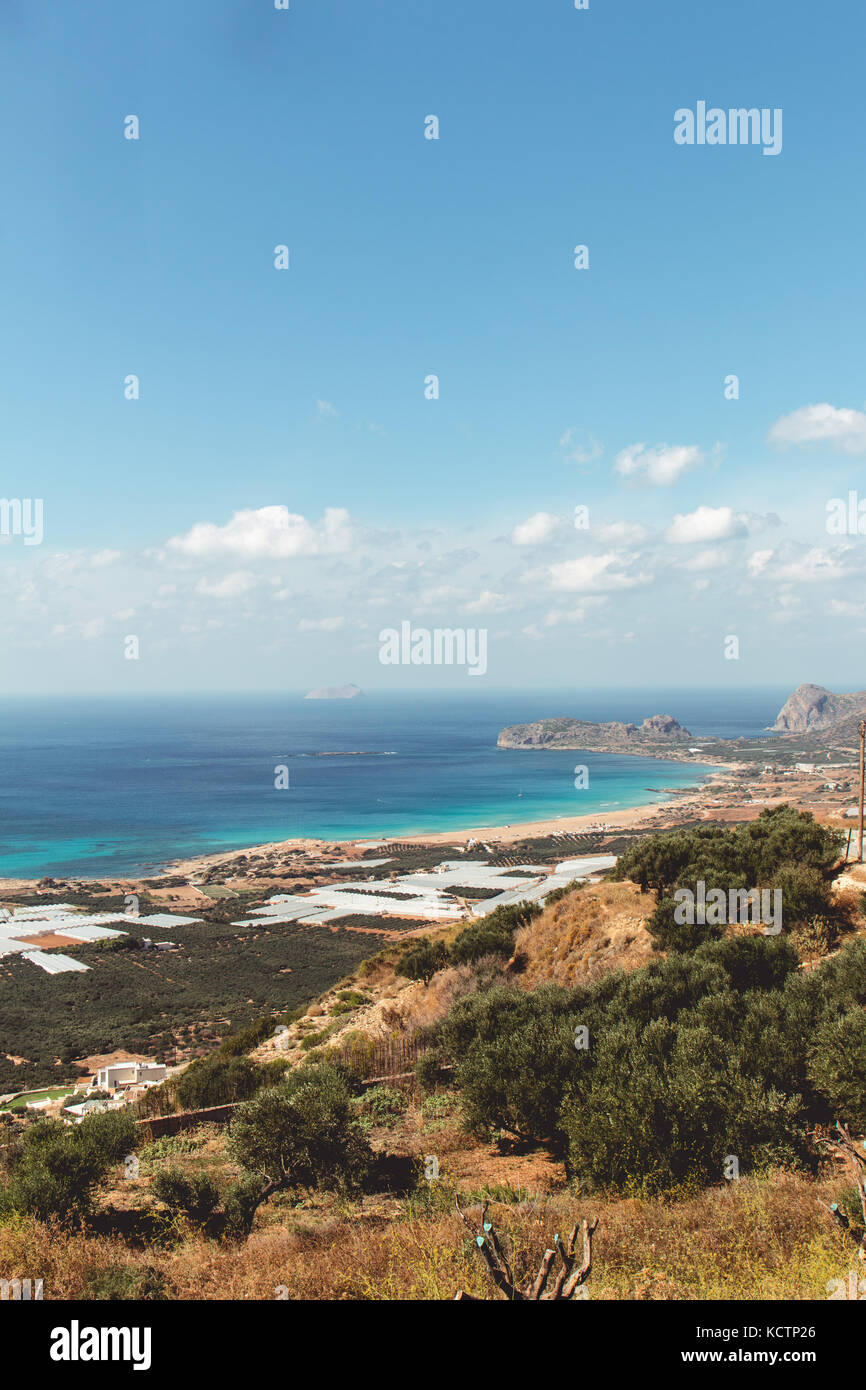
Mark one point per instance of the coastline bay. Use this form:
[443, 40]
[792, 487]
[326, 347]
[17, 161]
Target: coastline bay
[126, 786]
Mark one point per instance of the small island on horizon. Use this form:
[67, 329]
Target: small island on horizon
[334, 692]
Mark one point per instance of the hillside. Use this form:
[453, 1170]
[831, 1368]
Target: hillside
[585, 934]
[447, 1068]
[812, 709]
[659, 731]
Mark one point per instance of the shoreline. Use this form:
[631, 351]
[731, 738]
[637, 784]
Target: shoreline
[727, 792]
[505, 832]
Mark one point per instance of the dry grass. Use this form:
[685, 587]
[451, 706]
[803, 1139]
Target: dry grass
[595, 929]
[752, 1239]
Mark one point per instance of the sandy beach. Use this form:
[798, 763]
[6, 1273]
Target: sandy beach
[687, 803]
[732, 792]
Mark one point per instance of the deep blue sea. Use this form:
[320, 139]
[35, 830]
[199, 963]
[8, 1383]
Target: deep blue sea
[101, 786]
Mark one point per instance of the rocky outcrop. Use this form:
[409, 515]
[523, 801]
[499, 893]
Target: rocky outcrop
[811, 709]
[660, 730]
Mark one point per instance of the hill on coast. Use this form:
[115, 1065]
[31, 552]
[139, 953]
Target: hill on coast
[488, 1100]
[813, 709]
[811, 718]
[660, 730]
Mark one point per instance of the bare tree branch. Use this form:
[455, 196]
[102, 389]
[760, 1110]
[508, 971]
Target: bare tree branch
[534, 1290]
[844, 1147]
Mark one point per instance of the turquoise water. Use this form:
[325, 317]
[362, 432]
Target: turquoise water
[122, 786]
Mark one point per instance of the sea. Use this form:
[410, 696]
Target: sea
[99, 786]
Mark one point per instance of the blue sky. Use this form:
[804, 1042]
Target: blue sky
[304, 389]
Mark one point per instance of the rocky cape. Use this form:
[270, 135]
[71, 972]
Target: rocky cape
[813, 710]
[812, 720]
[655, 734]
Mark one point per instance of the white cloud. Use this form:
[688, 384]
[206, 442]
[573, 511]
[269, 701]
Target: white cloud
[577, 452]
[557, 616]
[324, 409]
[320, 624]
[440, 595]
[712, 559]
[842, 429]
[537, 529]
[705, 524]
[89, 630]
[661, 465]
[593, 572]
[758, 562]
[621, 532]
[791, 565]
[232, 586]
[813, 567]
[268, 532]
[487, 602]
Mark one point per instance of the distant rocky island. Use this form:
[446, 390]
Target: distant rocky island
[334, 692]
[660, 731]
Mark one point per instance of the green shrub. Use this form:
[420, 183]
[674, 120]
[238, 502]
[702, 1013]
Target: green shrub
[436, 1107]
[300, 1135]
[727, 1052]
[317, 1038]
[428, 1070]
[57, 1168]
[133, 1283]
[662, 1108]
[565, 891]
[838, 1066]
[513, 1051]
[218, 1080]
[169, 1145]
[493, 935]
[782, 848]
[483, 938]
[240, 1203]
[383, 1103]
[245, 1039]
[196, 1195]
[670, 935]
[421, 962]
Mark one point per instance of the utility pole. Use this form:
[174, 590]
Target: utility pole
[862, 772]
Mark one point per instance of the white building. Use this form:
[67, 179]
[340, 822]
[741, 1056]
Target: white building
[130, 1074]
[74, 1114]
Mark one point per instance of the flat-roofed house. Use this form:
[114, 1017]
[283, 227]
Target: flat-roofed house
[129, 1074]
